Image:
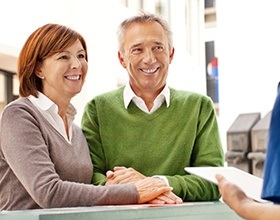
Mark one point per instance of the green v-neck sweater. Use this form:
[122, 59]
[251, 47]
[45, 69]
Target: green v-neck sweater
[185, 134]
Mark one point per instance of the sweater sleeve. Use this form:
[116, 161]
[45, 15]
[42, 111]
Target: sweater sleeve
[207, 151]
[27, 155]
[90, 128]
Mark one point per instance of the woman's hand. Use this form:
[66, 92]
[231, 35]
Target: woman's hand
[150, 188]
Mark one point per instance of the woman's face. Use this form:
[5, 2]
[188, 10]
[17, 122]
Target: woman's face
[64, 73]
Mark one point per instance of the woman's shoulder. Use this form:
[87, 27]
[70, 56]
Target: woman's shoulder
[19, 101]
[18, 106]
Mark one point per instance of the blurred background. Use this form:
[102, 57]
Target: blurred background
[227, 50]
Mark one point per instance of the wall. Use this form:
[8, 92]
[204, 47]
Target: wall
[248, 50]
[98, 21]
[247, 44]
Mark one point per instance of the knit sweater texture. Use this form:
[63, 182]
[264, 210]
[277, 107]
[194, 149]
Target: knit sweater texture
[40, 169]
[185, 134]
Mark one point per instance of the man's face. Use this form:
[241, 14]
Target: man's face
[146, 56]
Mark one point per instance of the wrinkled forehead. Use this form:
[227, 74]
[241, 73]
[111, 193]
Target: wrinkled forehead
[145, 33]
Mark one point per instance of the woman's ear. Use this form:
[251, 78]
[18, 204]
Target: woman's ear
[39, 73]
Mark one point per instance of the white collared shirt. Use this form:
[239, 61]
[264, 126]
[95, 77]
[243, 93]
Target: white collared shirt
[129, 96]
[50, 112]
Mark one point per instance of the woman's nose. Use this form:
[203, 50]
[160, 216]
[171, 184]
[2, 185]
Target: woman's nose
[76, 63]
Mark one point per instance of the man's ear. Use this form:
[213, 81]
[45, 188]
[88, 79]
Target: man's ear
[171, 55]
[121, 59]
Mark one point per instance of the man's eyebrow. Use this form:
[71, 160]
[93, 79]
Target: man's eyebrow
[159, 43]
[135, 45]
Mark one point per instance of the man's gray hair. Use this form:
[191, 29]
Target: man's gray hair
[142, 18]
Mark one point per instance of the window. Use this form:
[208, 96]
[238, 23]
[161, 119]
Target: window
[8, 81]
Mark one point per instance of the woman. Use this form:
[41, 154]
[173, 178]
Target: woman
[44, 156]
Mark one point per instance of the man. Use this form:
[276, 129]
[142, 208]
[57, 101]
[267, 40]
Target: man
[147, 128]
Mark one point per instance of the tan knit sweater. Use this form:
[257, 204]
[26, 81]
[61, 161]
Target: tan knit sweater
[40, 169]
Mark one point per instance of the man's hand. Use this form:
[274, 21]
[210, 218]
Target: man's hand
[123, 175]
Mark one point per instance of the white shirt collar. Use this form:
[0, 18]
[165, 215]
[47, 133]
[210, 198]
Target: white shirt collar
[50, 112]
[128, 95]
[44, 103]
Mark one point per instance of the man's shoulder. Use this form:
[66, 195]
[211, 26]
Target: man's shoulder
[186, 94]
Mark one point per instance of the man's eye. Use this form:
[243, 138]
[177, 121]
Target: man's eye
[136, 50]
[159, 47]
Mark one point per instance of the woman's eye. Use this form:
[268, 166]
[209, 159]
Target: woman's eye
[81, 56]
[64, 57]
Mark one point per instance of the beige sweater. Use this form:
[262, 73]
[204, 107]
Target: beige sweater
[40, 169]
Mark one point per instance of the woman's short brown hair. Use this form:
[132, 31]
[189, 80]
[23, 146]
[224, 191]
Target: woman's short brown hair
[41, 44]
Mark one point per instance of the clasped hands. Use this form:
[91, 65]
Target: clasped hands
[146, 186]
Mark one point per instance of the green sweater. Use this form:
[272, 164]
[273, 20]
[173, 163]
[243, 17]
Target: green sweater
[162, 143]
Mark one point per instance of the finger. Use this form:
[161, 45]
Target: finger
[109, 182]
[171, 197]
[174, 197]
[127, 178]
[163, 189]
[109, 174]
[156, 201]
[120, 172]
[166, 199]
[222, 181]
[119, 168]
[219, 177]
[122, 178]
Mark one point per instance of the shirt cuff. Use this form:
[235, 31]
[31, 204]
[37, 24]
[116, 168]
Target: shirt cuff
[164, 178]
